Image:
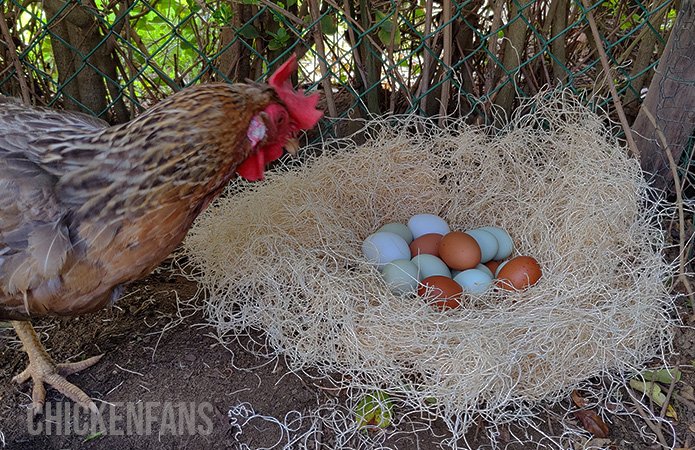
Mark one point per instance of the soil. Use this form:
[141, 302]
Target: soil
[200, 394]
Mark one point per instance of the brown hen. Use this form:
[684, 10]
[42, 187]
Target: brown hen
[86, 208]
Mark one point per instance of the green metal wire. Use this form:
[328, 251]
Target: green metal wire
[145, 77]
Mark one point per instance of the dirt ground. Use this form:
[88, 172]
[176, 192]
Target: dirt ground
[189, 382]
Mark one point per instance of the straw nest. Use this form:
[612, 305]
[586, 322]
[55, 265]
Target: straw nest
[284, 256]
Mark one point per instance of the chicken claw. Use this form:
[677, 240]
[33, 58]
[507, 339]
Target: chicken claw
[42, 369]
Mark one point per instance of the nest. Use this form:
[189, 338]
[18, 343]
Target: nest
[284, 257]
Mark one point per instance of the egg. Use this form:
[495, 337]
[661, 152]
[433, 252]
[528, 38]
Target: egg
[441, 292]
[499, 267]
[401, 275]
[485, 269]
[427, 223]
[429, 265]
[459, 250]
[504, 241]
[474, 280]
[492, 265]
[381, 247]
[518, 273]
[400, 229]
[427, 243]
[487, 242]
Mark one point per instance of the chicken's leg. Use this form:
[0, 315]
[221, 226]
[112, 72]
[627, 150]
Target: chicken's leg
[42, 369]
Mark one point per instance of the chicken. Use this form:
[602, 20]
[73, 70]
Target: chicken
[86, 208]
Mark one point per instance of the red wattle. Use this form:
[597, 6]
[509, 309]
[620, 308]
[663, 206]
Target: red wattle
[252, 168]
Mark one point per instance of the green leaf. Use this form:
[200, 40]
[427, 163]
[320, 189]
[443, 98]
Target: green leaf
[156, 18]
[248, 31]
[387, 26]
[95, 435]
[328, 25]
[654, 392]
[662, 376]
[385, 37]
[275, 45]
[375, 409]
[192, 6]
[223, 15]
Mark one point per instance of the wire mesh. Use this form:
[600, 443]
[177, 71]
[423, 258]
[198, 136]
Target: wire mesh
[436, 58]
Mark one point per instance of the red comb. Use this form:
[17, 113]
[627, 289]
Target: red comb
[302, 109]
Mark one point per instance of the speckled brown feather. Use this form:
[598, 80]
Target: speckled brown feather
[86, 207]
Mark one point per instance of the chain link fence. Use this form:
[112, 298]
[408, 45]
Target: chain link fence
[436, 58]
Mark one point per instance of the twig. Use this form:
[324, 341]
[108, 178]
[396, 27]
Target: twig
[685, 401]
[490, 75]
[606, 68]
[446, 87]
[645, 417]
[392, 42]
[325, 76]
[284, 12]
[681, 213]
[353, 44]
[425, 86]
[15, 58]
[163, 74]
[352, 40]
[664, 407]
[129, 371]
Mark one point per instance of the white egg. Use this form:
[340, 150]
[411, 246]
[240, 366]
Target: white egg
[487, 242]
[401, 275]
[504, 240]
[427, 223]
[473, 280]
[429, 265]
[400, 229]
[382, 247]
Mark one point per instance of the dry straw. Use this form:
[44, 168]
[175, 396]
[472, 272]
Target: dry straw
[284, 257]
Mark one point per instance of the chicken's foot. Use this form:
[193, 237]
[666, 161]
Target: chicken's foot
[42, 369]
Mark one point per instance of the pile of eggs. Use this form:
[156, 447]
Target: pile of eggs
[443, 265]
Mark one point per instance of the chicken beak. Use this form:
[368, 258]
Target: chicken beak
[292, 146]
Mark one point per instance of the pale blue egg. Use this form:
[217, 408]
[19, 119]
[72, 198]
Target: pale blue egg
[401, 275]
[400, 229]
[474, 281]
[484, 268]
[487, 242]
[504, 240]
[382, 247]
[429, 265]
[427, 223]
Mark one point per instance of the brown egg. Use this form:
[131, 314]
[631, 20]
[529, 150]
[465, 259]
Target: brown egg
[459, 250]
[444, 293]
[492, 265]
[427, 243]
[519, 273]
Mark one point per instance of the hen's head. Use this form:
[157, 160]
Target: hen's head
[277, 126]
